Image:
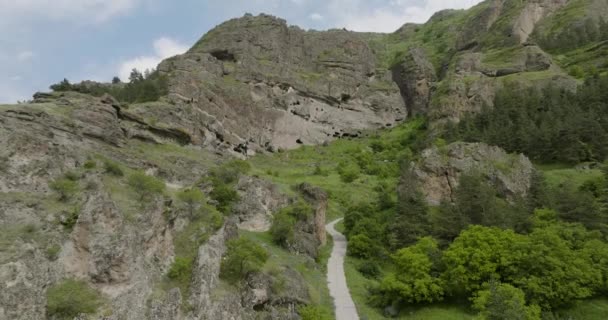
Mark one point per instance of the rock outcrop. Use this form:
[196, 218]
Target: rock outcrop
[254, 84]
[439, 170]
[259, 200]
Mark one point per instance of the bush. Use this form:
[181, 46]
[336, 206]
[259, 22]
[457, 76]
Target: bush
[503, 301]
[361, 246]
[181, 271]
[349, 172]
[369, 269]
[192, 198]
[65, 188]
[72, 175]
[70, 218]
[229, 172]
[225, 195]
[70, 298]
[113, 168]
[314, 312]
[243, 258]
[145, 186]
[90, 164]
[282, 228]
[319, 171]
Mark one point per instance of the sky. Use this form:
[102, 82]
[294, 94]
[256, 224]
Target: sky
[44, 41]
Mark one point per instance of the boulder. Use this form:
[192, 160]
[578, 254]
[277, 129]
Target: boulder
[439, 169]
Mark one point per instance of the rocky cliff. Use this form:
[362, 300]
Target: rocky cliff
[439, 169]
[252, 84]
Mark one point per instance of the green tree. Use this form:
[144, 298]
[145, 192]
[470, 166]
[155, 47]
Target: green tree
[504, 302]
[181, 271]
[411, 221]
[64, 85]
[193, 198]
[70, 298]
[362, 246]
[349, 172]
[415, 279]
[282, 229]
[225, 195]
[242, 258]
[145, 186]
[475, 257]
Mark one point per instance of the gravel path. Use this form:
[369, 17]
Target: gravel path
[336, 280]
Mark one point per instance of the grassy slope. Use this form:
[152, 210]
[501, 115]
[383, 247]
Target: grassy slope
[559, 174]
[296, 166]
[313, 274]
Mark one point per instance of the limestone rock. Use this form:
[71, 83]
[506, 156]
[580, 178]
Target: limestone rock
[254, 84]
[259, 200]
[415, 77]
[439, 170]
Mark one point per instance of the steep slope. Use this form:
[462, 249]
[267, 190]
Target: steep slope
[266, 86]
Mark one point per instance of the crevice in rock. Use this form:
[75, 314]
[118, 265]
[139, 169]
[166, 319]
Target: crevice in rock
[447, 178]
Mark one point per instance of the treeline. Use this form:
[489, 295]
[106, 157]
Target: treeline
[524, 256]
[550, 125]
[575, 36]
[142, 87]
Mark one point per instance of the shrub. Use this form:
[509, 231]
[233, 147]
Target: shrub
[369, 269]
[192, 198]
[113, 168]
[243, 258]
[70, 218]
[90, 164]
[72, 175]
[181, 271]
[230, 171]
[52, 252]
[349, 172]
[225, 195]
[301, 210]
[314, 312]
[361, 246]
[282, 228]
[319, 171]
[503, 301]
[145, 186]
[70, 298]
[65, 188]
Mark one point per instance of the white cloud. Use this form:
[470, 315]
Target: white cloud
[25, 56]
[356, 15]
[81, 10]
[163, 49]
[316, 16]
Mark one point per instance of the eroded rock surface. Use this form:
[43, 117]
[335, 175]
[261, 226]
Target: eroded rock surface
[439, 170]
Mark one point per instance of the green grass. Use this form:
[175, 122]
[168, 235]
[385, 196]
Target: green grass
[593, 309]
[573, 11]
[293, 167]
[556, 175]
[501, 58]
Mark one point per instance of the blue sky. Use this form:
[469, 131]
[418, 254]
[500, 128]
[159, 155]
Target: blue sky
[43, 41]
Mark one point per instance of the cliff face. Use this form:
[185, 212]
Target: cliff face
[253, 84]
[439, 169]
[262, 85]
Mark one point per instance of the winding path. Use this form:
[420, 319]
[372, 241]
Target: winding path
[336, 279]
